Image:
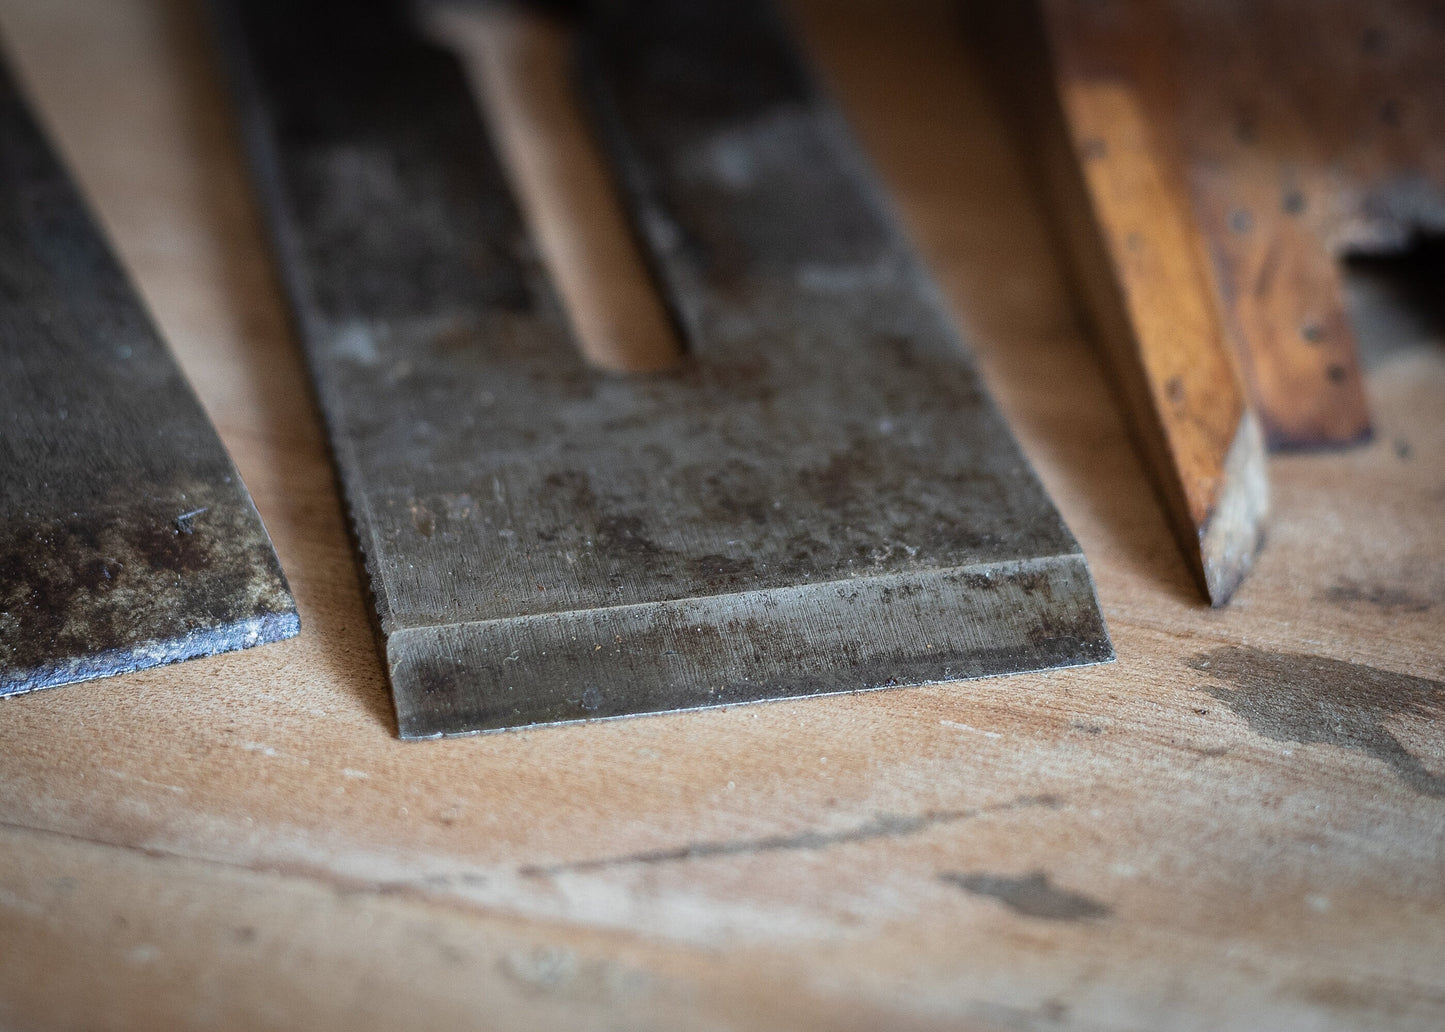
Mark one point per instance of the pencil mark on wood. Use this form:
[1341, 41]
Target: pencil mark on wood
[1031, 895]
[1312, 700]
[883, 826]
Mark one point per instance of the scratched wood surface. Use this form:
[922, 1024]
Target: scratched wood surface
[1240, 824]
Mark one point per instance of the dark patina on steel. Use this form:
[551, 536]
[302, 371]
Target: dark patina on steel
[127, 539]
[820, 499]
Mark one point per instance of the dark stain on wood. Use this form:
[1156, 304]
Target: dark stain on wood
[1032, 895]
[1394, 998]
[1312, 700]
[1391, 600]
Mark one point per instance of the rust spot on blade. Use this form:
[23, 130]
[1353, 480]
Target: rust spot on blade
[89, 592]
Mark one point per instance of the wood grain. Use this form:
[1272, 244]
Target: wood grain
[241, 842]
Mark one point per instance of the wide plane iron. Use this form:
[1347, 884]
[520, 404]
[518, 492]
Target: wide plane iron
[821, 498]
[127, 539]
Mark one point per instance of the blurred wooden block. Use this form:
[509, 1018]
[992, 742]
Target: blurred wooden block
[1139, 269]
[1309, 129]
[1304, 130]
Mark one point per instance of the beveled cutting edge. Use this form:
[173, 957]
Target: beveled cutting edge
[127, 539]
[820, 499]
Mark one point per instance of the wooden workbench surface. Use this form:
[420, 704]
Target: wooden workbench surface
[1240, 824]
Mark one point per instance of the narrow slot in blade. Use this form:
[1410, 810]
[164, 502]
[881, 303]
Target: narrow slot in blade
[820, 499]
[127, 539]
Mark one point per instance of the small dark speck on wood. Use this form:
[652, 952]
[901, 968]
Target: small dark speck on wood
[1032, 895]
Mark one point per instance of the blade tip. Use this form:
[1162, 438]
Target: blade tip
[1232, 536]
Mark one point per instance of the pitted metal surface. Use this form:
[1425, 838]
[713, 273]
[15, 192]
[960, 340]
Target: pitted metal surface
[127, 539]
[821, 498]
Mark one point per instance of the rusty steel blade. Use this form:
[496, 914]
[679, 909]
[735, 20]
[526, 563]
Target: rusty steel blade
[127, 539]
[821, 499]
